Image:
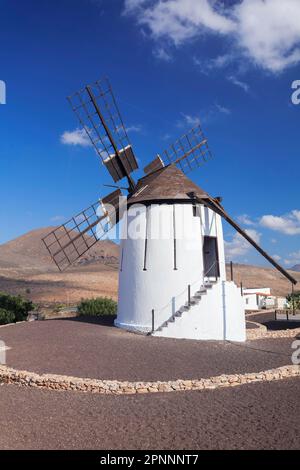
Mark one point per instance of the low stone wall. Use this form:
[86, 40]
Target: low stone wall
[260, 333]
[114, 387]
[260, 329]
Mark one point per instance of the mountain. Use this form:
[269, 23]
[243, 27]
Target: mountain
[29, 252]
[258, 276]
[296, 268]
[25, 266]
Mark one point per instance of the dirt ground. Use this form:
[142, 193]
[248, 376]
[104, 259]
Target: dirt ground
[253, 416]
[92, 280]
[95, 348]
[67, 287]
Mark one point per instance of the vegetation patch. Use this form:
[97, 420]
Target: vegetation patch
[6, 316]
[101, 306]
[13, 308]
[294, 301]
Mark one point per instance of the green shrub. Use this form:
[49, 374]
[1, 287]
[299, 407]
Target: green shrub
[294, 300]
[97, 307]
[16, 304]
[6, 316]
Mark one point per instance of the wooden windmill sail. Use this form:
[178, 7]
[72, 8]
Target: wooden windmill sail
[164, 181]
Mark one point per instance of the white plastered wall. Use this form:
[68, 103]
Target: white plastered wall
[218, 316]
[155, 271]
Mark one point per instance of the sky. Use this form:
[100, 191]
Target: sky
[230, 65]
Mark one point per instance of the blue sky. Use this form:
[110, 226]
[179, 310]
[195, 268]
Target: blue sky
[230, 64]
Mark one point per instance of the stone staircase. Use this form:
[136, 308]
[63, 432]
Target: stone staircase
[194, 300]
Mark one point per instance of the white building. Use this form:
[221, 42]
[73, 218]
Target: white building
[255, 298]
[261, 298]
[171, 248]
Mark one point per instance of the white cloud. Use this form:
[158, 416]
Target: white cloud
[133, 5]
[188, 120]
[76, 137]
[269, 32]
[288, 224]
[179, 20]
[254, 234]
[134, 128]
[265, 31]
[193, 120]
[239, 246]
[161, 54]
[235, 81]
[293, 258]
[276, 257]
[219, 62]
[222, 109]
[296, 255]
[166, 136]
[245, 220]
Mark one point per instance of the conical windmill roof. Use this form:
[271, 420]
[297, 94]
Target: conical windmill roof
[166, 185]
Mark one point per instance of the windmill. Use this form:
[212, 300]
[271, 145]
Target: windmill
[172, 273]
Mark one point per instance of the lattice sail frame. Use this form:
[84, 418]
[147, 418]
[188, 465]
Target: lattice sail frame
[188, 152]
[67, 243]
[83, 107]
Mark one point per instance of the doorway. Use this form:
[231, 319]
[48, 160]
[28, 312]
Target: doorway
[211, 257]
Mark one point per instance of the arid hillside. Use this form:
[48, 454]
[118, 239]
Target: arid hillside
[28, 253]
[26, 268]
[255, 276]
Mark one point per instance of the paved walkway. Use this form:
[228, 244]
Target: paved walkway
[101, 351]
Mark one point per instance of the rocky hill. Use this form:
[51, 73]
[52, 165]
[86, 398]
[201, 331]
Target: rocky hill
[29, 252]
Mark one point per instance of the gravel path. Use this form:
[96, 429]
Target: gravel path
[257, 416]
[83, 349]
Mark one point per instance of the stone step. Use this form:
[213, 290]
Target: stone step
[178, 314]
[195, 299]
[184, 308]
[202, 291]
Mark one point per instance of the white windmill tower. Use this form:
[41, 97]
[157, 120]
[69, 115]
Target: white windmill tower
[172, 276]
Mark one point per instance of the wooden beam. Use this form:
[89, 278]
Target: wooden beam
[216, 207]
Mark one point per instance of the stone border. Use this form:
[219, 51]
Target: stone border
[114, 387]
[259, 327]
[261, 333]
[252, 313]
[15, 323]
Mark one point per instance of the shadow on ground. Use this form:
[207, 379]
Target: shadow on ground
[107, 320]
[268, 319]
